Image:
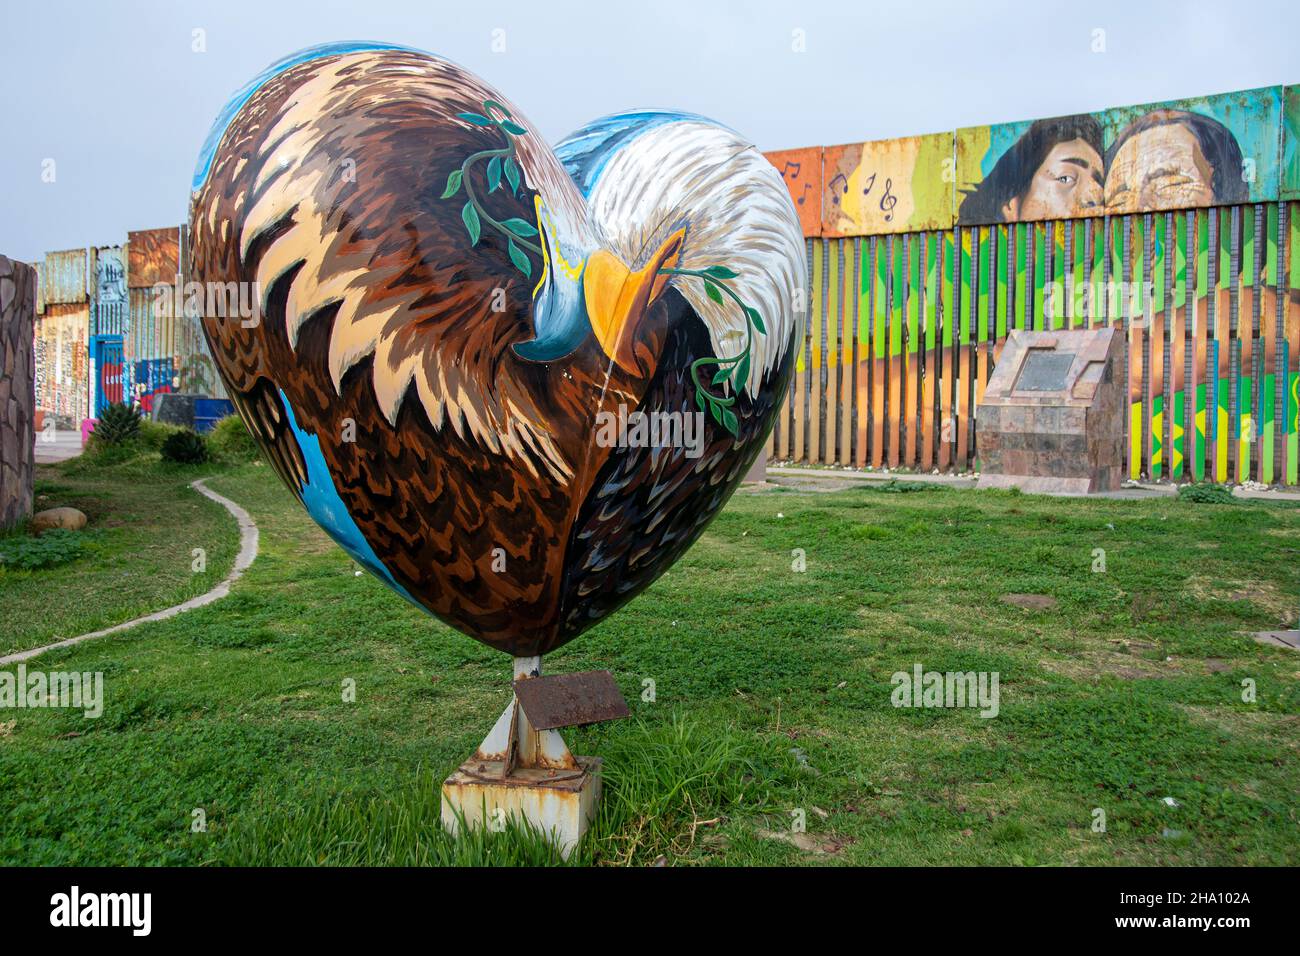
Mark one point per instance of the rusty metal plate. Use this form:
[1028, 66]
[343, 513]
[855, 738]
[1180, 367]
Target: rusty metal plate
[569, 700]
[153, 256]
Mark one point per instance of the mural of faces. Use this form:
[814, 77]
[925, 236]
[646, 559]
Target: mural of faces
[1165, 159]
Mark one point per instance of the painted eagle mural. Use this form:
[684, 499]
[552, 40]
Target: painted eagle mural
[453, 315]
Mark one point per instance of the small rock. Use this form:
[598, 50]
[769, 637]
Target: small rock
[70, 519]
[1169, 801]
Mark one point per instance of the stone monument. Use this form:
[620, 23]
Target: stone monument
[1051, 420]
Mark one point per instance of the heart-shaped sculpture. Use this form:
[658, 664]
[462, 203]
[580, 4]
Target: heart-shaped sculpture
[515, 383]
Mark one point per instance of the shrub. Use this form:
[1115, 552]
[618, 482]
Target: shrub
[117, 424]
[153, 434]
[230, 441]
[185, 446]
[1207, 493]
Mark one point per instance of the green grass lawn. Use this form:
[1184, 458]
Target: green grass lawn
[144, 524]
[772, 694]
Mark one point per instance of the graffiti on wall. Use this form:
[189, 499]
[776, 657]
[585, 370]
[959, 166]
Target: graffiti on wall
[63, 379]
[152, 377]
[1194, 153]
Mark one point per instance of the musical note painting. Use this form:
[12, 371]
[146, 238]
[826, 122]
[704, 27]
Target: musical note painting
[888, 186]
[802, 171]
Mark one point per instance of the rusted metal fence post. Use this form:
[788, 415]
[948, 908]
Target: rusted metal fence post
[17, 390]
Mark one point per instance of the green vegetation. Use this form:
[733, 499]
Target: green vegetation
[118, 423]
[54, 547]
[135, 556]
[1207, 493]
[760, 694]
[185, 447]
[229, 441]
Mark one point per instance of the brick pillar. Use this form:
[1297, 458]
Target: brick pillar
[17, 390]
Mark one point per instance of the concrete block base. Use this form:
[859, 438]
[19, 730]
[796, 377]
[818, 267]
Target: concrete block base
[1039, 485]
[560, 803]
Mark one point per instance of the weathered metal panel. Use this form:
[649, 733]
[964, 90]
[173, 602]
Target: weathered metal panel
[802, 171]
[888, 186]
[151, 368]
[1290, 172]
[64, 279]
[153, 256]
[108, 291]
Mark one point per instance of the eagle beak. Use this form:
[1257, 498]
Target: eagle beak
[618, 298]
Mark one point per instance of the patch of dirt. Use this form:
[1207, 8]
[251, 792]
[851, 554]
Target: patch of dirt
[1263, 594]
[1030, 602]
[1092, 664]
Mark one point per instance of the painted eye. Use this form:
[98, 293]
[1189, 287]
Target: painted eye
[1066, 179]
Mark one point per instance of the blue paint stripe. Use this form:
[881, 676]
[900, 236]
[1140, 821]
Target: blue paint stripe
[585, 152]
[328, 510]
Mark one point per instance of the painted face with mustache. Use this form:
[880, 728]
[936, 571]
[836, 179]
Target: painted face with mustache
[1174, 159]
[1159, 168]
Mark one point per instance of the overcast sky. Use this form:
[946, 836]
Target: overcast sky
[115, 94]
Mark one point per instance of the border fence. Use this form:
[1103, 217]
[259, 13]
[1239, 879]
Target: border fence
[904, 331]
[103, 335]
[925, 251]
